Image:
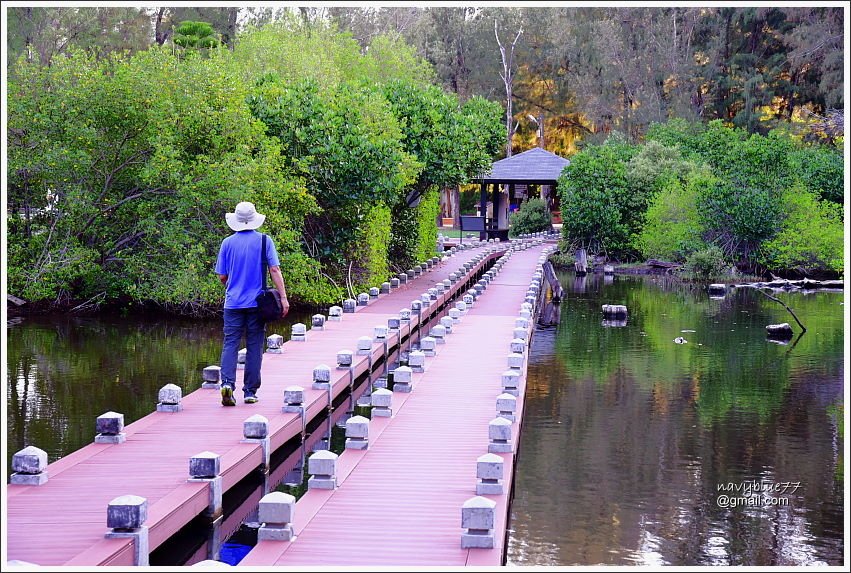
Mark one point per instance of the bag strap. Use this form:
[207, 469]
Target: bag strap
[263, 259]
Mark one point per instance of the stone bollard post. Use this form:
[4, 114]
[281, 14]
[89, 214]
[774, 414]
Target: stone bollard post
[293, 399]
[521, 333]
[426, 299]
[517, 346]
[363, 299]
[394, 283]
[385, 288]
[461, 307]
[403, 277]
[170, 396]
[446, 322]
[374, 292]
[255, 429]
[447, 284]
[322, 466]
[110, 428]
[394, 323]
[276, 512]
[428, 344]
[321, 377]
[30, 467]
[364, 345]
[489, 471]
[515, 361]
[299, 333]
[212, 377]
[416, 306]
[335, 314]
[403, 379]
[435, 291]
[499, 433]
[317, 322]
[349, 305]
[382, 403]
[405, 315]
[344, 359]
[506, 406]
[468, 300]
[416, 360]
[438, 332]
[521, 322]
[525, 313]
[455, 315]
[125, 516]
[206, 467]
[274, 344]
[357, 433]
[413, 272]
[477, 518]
[379, 333]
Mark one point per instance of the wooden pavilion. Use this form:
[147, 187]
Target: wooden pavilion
[509, 182]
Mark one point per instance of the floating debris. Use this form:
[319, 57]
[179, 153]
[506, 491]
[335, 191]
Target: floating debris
[686, 330]
[680, 340]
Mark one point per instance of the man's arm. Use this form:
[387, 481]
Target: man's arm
[278, 280]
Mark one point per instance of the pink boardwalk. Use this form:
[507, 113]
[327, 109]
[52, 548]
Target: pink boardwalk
[399, 502]
[63, 522]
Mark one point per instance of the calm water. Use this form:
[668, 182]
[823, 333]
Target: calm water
[626, 438]
[627, 435]
[63, 372]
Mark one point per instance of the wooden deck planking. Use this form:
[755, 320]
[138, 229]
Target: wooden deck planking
[401, 503]
[83, 483]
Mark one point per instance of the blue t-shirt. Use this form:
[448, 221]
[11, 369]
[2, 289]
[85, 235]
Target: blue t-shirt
[239, 259]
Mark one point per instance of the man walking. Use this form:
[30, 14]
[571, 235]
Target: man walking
[239, 266]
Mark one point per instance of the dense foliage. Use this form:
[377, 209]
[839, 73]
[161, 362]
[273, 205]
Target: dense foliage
[121, 168]
[533, 216]
[709, 195]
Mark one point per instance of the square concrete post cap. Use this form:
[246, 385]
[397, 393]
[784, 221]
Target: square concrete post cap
[461, 305]
[255, 427]
[478, 513]
[426, 298]
[357, 427]
[204, 465]
[293, 395]
[335, 311]
[385, 287]
[127, 512]
[344, 357]
[515, 360]
[211, 374]
[379, 331]
[446, 322]
[499, 429]
[349, 305]
[526, 306]
[374, 291]
[276, 507]
[110, 423]
[317, 320]
[321, 373]
[402, 375]
[322, 462]
[382, 398]
[489, 466]
[274, 341]
[30, 460]
[521, 333]
[405, 314]
[393, 323]
[170, 394]
[299, 328]
[364, 343]
[363, 299]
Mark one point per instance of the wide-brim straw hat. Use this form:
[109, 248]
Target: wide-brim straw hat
[245, 217]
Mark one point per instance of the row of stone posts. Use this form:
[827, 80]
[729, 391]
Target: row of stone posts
[478, 514]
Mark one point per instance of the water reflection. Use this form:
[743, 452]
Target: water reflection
[628, 435]
[64, 371]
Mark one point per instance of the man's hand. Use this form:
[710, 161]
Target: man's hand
[285, 307]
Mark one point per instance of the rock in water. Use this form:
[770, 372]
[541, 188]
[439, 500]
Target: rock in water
[680, 340]
[782, 330]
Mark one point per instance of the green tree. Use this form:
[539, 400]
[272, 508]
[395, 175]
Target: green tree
[196, 35]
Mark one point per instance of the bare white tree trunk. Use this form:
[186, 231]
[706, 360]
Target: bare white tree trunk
[507, 76]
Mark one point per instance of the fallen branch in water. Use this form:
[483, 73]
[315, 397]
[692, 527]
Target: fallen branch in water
[803, 328]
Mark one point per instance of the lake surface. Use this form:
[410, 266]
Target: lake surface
[627, 435]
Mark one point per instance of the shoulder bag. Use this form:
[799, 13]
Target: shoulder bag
[269, 300]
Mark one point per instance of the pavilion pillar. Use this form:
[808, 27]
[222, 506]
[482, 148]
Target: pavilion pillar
[483, 206]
